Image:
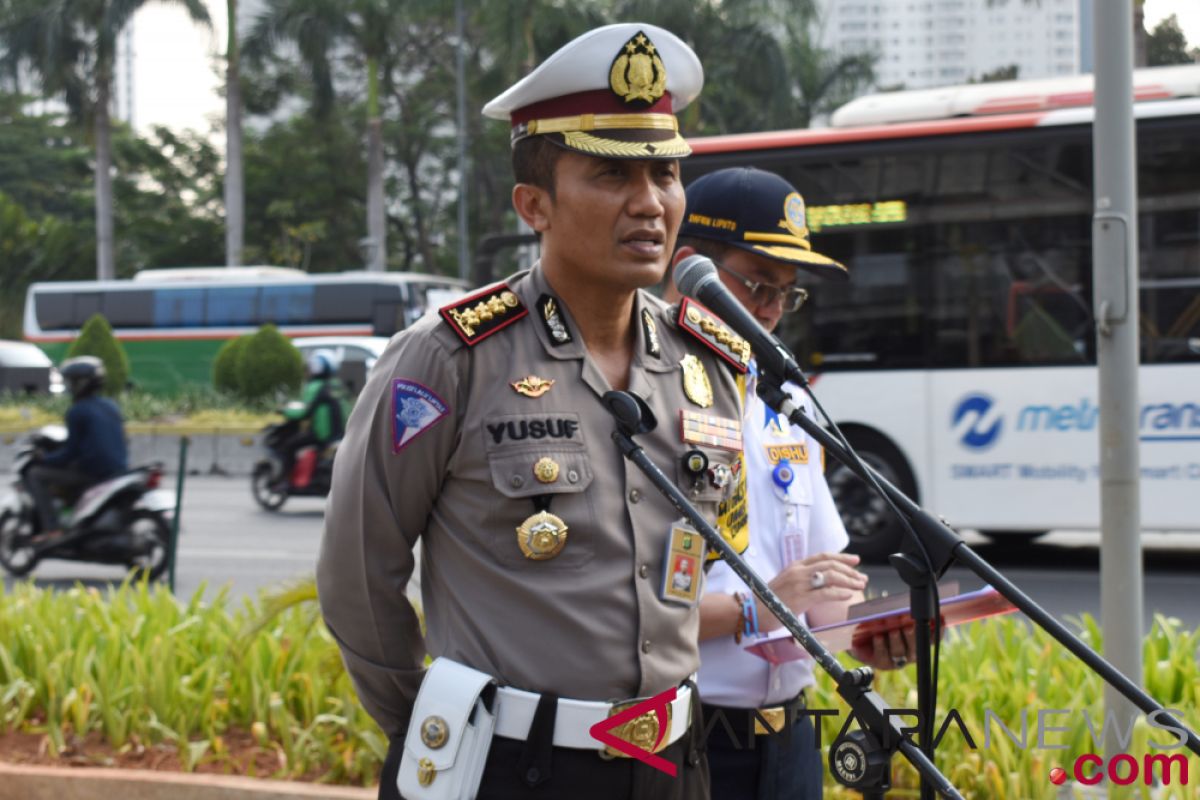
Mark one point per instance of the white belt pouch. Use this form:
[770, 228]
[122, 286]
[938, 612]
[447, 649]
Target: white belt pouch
[448, 738]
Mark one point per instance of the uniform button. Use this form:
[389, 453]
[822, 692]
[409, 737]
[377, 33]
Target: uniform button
[573, 476]
[517, 481]
[646, 646]
[634, 495]
[643, 570]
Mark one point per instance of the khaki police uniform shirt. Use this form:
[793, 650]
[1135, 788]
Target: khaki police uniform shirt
[587, 624]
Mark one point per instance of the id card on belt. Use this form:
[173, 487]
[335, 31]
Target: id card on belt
[682, 567]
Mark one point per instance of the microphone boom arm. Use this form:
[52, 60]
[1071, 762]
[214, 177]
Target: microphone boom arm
[854, 685]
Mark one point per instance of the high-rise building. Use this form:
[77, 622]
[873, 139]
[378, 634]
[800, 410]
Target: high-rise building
[923, 43]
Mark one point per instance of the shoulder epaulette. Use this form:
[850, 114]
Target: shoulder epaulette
[478, 316]
[705, 326]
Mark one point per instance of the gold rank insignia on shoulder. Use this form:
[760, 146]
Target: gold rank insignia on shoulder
[542, 536]
[704, 325]
[532, 386]
[478, 316]
[637, 74]
[650, 333]
[695, 381]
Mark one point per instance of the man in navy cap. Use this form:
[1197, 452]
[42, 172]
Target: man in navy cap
[549, 564]
[751, 224]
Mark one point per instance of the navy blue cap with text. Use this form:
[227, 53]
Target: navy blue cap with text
[756, 211]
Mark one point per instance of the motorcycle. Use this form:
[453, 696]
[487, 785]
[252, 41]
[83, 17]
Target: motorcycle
[123, 520]
[310, 477]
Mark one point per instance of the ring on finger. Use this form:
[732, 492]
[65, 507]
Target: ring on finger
[817, 579]
[899, 661]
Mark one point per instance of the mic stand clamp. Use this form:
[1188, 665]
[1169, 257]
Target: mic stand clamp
[865, 758]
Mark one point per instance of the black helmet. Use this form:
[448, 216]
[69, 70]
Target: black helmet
[82, 375]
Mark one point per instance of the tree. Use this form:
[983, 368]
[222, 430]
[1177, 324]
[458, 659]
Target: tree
[235, 190]
[322, 30]
[268, 364]
[1167, 45]
[70, 47]
[96, 339]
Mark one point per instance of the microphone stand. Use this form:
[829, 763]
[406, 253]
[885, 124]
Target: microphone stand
[860, 760]
[923, 601]
[945, 547]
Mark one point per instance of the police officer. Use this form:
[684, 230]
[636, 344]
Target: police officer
[546, 558]
[751, 223]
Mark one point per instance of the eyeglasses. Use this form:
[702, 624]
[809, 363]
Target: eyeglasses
[764, 294]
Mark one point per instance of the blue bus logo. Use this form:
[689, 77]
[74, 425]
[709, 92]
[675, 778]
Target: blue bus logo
[977, 423]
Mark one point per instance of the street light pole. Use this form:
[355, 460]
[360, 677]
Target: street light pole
[1115, 269]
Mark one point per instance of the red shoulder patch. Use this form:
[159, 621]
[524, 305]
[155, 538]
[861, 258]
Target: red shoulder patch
[714, 334]
[478, 316]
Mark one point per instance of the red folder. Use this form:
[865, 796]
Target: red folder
[874, 617]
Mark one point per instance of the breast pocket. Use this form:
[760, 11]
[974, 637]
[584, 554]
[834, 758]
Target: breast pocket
[546, 520]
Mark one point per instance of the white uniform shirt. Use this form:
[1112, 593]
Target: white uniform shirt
[802, 519]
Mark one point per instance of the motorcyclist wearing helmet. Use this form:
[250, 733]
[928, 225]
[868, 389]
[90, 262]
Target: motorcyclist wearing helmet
[322, 405]
[95, 447]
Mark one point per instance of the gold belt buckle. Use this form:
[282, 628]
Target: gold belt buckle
[774, 717]
[642, 731]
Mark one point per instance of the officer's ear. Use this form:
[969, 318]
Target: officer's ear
[533, 205]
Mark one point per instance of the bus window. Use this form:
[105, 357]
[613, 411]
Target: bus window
[343, 302]
[54, 310]
[86, 304]
[129, 309]
[178, 308]
[231, 306]
[282, 305]
[1170, 285]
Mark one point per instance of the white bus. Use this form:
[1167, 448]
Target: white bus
[172, 321]
[960, 357]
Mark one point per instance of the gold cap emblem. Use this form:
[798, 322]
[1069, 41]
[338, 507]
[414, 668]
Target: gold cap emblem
[542, 536]
[532, 386]
[637, 74]
[695, 381]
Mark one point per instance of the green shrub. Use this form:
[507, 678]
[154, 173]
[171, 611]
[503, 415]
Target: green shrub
[96, 339]
[268, 364]
[225, 377]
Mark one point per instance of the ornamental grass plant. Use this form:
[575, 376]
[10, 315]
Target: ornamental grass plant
[137, 666]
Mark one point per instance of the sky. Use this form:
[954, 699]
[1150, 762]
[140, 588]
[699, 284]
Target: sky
[175, 84]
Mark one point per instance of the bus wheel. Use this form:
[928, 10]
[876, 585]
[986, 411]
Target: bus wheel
[874, 531]
[1013, 538]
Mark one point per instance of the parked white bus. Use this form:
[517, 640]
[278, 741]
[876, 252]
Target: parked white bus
[960, 357]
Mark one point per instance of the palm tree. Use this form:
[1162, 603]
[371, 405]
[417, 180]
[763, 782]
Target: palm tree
[235, 192]
[69, 47]
[322, 30]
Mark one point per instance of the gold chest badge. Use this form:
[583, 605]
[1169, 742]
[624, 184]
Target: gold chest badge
[532, 386]
[695, 381]
[542, 536]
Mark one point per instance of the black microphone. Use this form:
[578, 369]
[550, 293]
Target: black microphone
[631, 411]
[696, 276]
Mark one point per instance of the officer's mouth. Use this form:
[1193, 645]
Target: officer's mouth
[645, 242]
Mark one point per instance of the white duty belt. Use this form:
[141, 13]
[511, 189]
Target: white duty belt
[574, 720]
